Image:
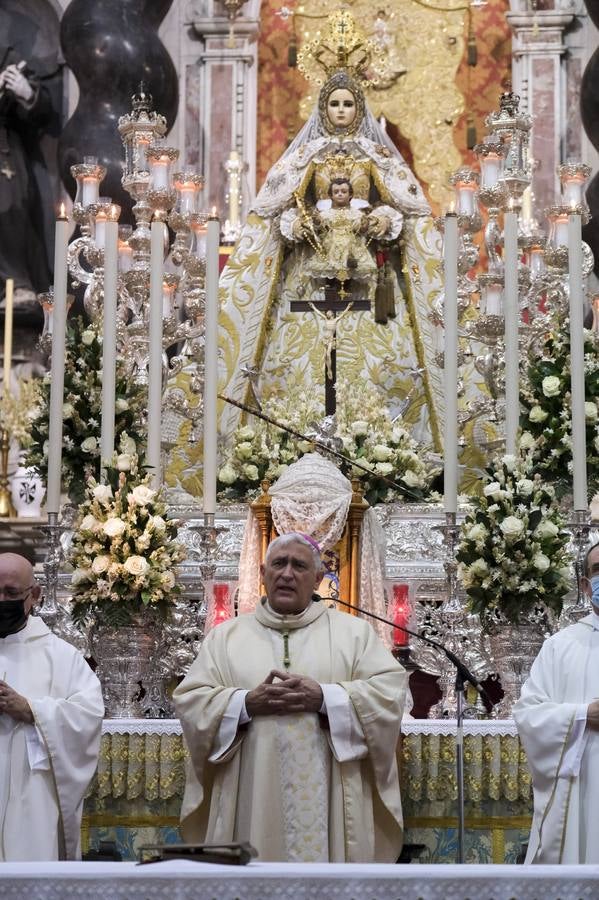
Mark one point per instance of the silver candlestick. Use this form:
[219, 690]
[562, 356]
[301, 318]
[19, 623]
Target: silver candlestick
[52, 611]
[579, 528]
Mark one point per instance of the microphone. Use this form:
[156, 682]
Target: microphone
[463, 672]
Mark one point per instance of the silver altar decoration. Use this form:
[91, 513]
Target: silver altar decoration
[454, 626]
[580, 528]
[514, 649]
[126, 658]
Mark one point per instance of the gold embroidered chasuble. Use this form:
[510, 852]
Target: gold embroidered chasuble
[564, 677]
[279, 784]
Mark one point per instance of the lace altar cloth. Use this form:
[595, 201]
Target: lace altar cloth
[144, 758]
[186, 880]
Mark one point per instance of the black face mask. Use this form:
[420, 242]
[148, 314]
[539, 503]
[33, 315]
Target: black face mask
[12, 616]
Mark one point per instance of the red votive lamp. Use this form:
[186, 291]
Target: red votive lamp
[400, 615]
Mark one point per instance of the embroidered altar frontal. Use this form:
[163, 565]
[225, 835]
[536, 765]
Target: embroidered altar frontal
[136, 795]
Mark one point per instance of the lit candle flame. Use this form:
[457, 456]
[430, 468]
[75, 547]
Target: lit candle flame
[62, 212]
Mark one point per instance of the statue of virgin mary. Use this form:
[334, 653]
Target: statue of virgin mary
[284, 250]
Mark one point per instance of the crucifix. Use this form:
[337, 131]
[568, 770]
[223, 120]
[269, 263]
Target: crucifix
[7, 171]
[335, 301]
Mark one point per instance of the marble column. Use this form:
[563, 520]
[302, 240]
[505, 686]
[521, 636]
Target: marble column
[589, 107]
[538, 75]
[221, 90]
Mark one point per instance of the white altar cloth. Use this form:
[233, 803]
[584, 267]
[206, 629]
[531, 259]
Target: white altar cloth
[186, 880]
[408, 726]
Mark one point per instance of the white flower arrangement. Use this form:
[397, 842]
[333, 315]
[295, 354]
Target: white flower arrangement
[367, 436]
[124, 552]
[512, 555]
[546, 418]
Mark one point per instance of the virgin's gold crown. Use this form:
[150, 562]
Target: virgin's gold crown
[344, 47]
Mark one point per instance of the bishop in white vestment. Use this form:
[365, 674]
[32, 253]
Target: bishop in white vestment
[558, 721]
[51, 714]
[292, 718]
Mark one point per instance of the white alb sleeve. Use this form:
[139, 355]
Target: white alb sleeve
[36, 750]
[576, 744]
[234, 716]
[346, 736]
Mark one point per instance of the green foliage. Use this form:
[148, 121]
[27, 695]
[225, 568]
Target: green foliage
[82, 411]
[546, 410]
[512, 553]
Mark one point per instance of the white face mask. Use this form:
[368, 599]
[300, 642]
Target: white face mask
[595, 591]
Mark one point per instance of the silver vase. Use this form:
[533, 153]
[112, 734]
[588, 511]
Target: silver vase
[514, 649]
[125, 656]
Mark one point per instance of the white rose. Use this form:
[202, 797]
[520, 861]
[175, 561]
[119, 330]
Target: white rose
[383, 468]
[594, 508]
[46, 445]
[136, 565]
[227, 475]
[411, 478]
[87, 338]
[113, 527]
[89, 523]
[590, 411]
[477, 532]
[493, 489]
[67, 410]
[157, 523]
[123, 462]
[244, 450]
[479, 568]
[80, 576]
[89, 445]
[246, 433]
[509, 461]
[382, 453]
[102, 493]
[167, 580]
[141, 495]
[526, 440]
[540, 562]
[551, 386]
[546, 529]
[100, 564]
[127, 445]
[537, 414]
[512, 526]
[359, 428]
[121, 405]
[251, 473]
[525, 486]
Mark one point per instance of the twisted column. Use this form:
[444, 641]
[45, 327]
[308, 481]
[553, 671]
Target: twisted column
[111, 46]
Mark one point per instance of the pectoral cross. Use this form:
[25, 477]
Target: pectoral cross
[335, 301]
[7, 171]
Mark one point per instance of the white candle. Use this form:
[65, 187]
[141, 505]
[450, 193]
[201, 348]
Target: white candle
[561, 236]
[8, 313]
[450, 437]
[100, 230]
[511, 314]
[579, 457]
[210, 365]
[109, 342]
[61, 240]
[572, 190]
[465, 199]
[90, 190]
[490, 169]
[155, 351]
[159, 174]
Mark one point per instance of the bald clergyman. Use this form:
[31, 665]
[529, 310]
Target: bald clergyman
[292, 718]
[51, 714]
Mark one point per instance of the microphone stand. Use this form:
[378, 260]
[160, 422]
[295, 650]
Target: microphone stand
[463, 676]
